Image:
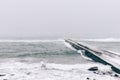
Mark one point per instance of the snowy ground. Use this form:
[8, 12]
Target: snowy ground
[15, 70]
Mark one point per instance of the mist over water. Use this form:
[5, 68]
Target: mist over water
[59, 19]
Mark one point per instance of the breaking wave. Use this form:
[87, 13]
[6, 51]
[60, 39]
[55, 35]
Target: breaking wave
[31, 40]
[103, 40]
[23, 48]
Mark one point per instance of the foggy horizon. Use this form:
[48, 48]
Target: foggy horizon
[59, 19]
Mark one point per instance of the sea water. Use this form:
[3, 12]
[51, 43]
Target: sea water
[49, 60]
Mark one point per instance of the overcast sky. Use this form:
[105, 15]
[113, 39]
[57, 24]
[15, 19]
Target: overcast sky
[60, 18]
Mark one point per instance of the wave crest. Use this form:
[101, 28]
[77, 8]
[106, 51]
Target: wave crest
[104, 40]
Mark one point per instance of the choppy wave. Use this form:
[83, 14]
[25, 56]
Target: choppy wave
[57, 40]
[24, 48]
[103, 40]
[61, 40]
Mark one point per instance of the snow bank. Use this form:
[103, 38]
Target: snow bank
[33, 71]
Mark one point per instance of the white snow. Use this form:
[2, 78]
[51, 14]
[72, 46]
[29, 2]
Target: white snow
[13, 70]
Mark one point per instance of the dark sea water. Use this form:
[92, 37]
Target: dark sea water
[49, 50]
[33, 48]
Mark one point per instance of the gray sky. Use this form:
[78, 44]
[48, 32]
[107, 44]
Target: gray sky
[60, 18]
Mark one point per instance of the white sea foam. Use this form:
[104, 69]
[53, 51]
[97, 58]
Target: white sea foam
[31, 40]
[103, 40]
[69, 46]
[38, 40]
[114, 52]
[81, 52]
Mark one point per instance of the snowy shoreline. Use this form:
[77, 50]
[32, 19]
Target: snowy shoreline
[14, 70]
